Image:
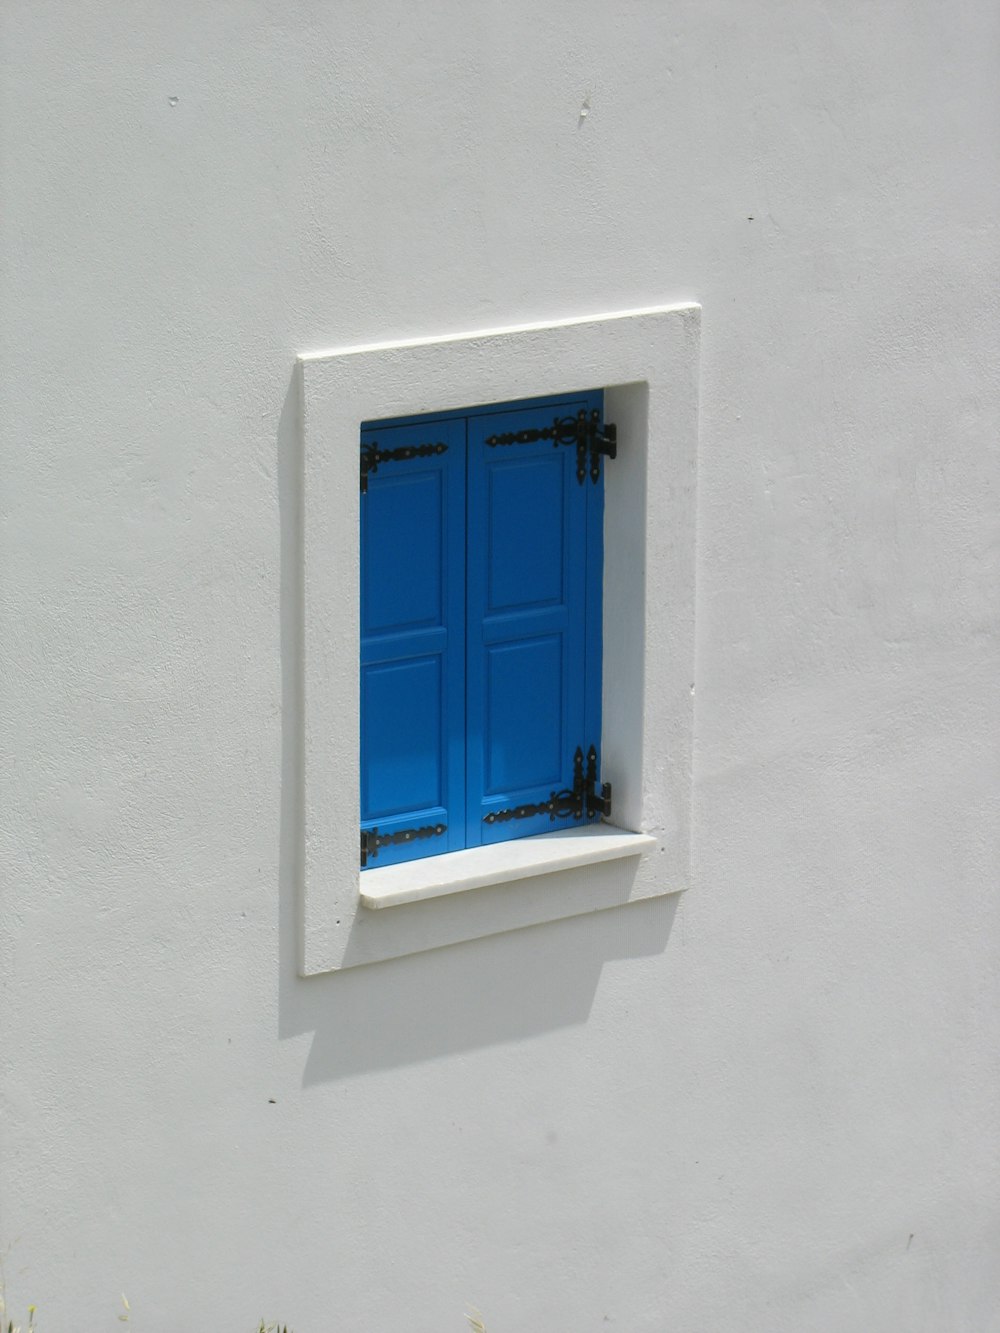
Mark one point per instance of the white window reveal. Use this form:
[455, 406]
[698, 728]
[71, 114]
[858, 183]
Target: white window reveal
[498, 637]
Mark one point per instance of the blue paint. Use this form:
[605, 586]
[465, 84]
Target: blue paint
[481, 595]
[413, 641]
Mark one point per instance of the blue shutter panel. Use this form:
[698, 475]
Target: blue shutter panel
[413, 640]
[533, 660]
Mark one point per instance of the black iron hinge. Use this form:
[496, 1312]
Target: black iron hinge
[591, 437]
[372, 455]
[570, 803]
[372, 840]
[596, 804]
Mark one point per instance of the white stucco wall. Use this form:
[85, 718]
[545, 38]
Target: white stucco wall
[772, 1103]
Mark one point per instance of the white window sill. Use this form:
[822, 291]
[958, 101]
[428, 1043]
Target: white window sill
[500, 863]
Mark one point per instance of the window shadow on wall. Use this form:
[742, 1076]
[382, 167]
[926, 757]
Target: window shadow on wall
[381, 1015]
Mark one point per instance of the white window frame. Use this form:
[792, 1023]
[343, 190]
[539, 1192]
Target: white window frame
[646, 361]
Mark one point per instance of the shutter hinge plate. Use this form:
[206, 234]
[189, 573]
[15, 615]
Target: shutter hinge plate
[592, 438]
[372, 455]
[574, 802]
[372, 840]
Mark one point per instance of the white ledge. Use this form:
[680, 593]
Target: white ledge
[523, 858]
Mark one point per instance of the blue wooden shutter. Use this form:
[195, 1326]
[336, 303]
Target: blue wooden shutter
[535, 558]
[413, 638]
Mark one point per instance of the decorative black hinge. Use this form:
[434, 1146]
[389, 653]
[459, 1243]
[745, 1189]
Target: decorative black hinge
[372, 840]
[570, 803]
[596, 805]
[586, 431]
[372, 455]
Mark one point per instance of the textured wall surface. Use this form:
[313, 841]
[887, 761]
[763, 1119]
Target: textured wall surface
[771, 1104]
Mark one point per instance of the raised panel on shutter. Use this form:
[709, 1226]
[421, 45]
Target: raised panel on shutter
[533, 621]
[413, 640]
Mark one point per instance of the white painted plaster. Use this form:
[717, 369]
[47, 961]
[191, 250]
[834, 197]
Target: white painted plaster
[769, 1103]
[646, 361]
